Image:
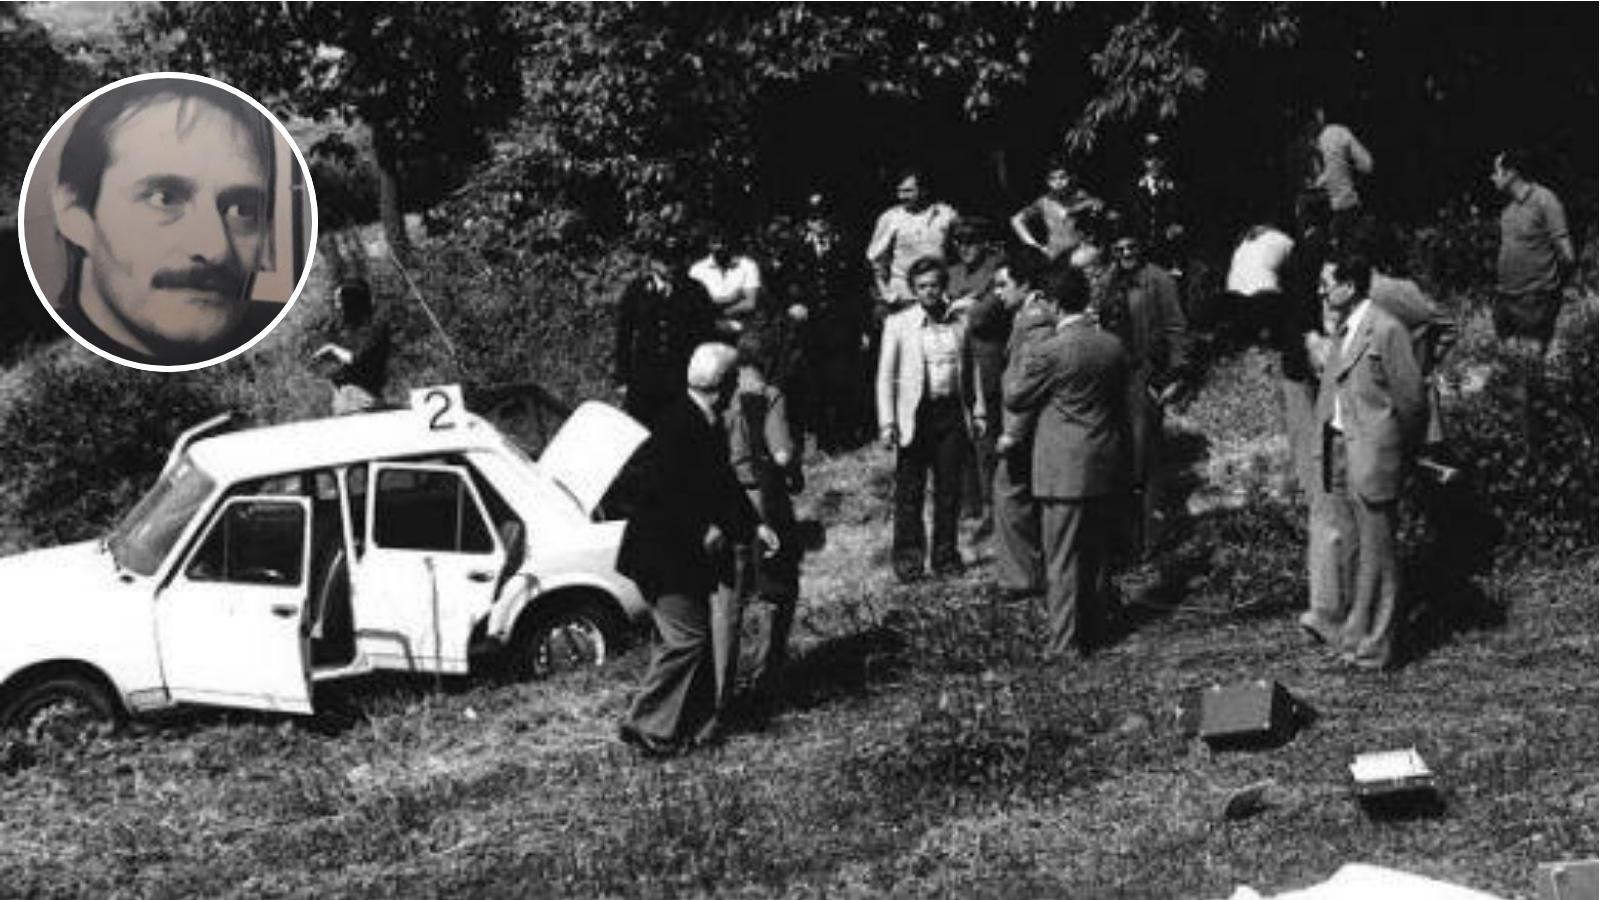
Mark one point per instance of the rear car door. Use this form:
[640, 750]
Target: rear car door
[429, 568]
[230, 622]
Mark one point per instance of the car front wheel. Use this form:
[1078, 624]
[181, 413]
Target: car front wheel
[64, 710]
[580, 634]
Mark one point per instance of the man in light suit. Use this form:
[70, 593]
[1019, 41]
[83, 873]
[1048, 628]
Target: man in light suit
[924, 378]
[1077, 380]
[1372, 415]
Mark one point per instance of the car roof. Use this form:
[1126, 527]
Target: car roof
[316, 443]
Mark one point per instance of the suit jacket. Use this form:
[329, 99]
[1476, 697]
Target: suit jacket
[1077, 379]
[902, 372]
[675, 489]
[1379, 387]
[1141, 308]
[1433, 333]
[1032, 323]
[656, 332]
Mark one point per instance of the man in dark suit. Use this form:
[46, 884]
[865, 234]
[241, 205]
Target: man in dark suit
[1019, 559]
[686, 510]
[1372, 416]
[1141, 309]
[662, 316]
[1077, 380]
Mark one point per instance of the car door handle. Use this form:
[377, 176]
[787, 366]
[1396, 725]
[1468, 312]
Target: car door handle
[480, 576]
[284, 610]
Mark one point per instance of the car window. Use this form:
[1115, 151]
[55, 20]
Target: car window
[147, 533]
[422, 509]
[252, 542]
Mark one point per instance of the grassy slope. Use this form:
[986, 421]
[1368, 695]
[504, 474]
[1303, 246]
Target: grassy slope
[923, 751]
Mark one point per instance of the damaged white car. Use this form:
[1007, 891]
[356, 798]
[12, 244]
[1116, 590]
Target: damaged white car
[266, 560]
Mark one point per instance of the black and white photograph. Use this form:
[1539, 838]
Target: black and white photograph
[151, 225]
[795, 450]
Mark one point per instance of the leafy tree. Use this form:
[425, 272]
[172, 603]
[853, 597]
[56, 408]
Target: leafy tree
[428, 81]
[41, 84]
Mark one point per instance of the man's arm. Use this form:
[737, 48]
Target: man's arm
[1405, 383]
[1028, 386]
[1555, 219]
[1019, 225]
[879, 250]
[888, 362]
[1359, 157]
[1174, 327]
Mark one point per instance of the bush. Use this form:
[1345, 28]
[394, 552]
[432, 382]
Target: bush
[1527, 440]
[82, 438]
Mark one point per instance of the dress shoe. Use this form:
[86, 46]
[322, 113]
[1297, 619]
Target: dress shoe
[652, 747]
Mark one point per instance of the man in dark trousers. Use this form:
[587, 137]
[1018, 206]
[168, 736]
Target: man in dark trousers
[686, 512]
[1141, 308]
[1027, 316]
[662, 316]
[1077, 380]
[826, 287]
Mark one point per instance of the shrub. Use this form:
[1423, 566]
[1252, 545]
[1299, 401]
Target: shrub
[83, 437]
[1528, 444]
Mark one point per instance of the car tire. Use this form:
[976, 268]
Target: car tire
[65, 710]
[581, 633]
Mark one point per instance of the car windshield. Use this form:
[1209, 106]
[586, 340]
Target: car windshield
[144, 537]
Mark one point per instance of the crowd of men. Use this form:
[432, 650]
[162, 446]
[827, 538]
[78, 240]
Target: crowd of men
[1029, 386]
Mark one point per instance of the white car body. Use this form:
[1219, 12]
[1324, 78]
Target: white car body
[205, 616]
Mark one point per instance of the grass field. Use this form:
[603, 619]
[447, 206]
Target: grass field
[921, 749]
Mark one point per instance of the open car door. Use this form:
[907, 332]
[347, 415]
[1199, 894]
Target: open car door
[590, 450]
[230, 622]
[429, 571]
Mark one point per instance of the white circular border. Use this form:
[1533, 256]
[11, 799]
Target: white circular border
[311, 196]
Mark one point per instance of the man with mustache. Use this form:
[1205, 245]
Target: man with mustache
[164, 199]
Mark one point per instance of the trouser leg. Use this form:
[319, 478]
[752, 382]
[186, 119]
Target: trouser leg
[1019, 560]
[911, 464]
[951, 451]
[1333, 543]
[726, 607]
[1063, 522]
[678, 695]
[1369, 630]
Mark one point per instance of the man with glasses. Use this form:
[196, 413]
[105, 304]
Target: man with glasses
[924, 368]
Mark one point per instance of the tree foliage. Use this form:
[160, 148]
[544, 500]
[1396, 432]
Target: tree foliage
[41, 83]
[429, 82]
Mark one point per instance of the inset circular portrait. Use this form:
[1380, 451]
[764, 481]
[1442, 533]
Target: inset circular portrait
[167, 222]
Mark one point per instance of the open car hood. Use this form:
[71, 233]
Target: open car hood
[590, 450]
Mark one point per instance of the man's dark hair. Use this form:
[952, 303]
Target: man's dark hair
[1057, 163]
[1026, 267]
[87, 150]
[913, 172]
[1514, 159]
[1354, 269]
[967, 231]
[355, 301]
[925, 265]
[1065, 284]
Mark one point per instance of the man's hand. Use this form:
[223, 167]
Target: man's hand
[889, 436]
[1005, 443]
[768, 539]
[798, 312]
[715, 541]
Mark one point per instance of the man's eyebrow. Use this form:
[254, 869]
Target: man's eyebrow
[242, 194]
[172, 184]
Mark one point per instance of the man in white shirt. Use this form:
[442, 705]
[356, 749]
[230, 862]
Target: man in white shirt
[915, 228]
[1255, 279]
[732, 280]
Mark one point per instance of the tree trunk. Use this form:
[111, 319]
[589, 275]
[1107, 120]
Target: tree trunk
[390, 210]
